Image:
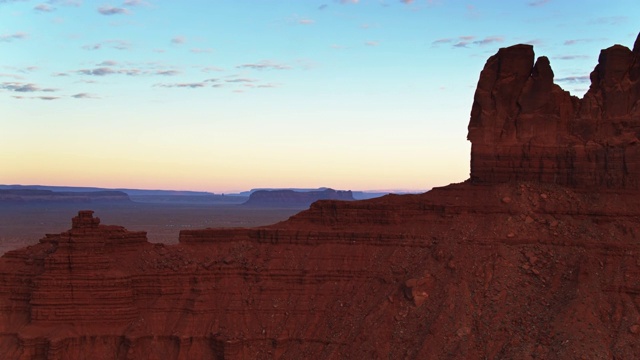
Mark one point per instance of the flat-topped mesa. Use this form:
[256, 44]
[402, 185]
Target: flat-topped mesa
[525, 127]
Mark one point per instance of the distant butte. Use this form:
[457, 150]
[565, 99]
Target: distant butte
[534, 257]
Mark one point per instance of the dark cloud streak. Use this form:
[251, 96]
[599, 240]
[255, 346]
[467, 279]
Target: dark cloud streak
[110, 10]
[14, 36]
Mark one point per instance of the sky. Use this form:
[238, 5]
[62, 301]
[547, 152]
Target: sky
[224, 96]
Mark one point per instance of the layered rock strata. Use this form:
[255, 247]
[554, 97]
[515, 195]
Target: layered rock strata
[466, 271]
[525, 127]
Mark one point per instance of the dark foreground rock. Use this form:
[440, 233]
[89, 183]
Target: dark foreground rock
[525, 127]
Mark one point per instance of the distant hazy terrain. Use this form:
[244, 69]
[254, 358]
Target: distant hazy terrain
[28, 212]
[24, 224]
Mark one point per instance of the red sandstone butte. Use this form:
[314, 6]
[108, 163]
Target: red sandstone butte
[535, 257]
[525, 127]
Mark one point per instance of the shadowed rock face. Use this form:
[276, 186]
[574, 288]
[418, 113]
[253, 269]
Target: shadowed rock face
[524, 127]
[488, 268]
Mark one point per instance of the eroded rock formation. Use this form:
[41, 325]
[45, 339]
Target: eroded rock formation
[525, 127]
[510, 265]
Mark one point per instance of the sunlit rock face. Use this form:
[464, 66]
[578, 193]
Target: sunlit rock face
[525, 127]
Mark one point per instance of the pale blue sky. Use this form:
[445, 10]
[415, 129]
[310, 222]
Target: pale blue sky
[231, 95]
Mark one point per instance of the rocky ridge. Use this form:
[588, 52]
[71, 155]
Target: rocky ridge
[507, 265]
[525, 127]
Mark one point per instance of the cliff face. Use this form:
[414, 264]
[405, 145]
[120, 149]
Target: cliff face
[489, 268]
[291, 198]
[507, 271]
[524, 127]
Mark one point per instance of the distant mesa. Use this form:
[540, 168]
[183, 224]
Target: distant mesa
[292, 198]
[23, 196]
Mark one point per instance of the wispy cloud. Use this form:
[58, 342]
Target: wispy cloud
[268, 85]
[571, 57]
[44, 8]
[306, 21]
[349, 1]
[201, 50]
[264, 65]
[133, 3]
[168, 72]
[47, 98]
[85, 96]
[372, 43]
[537, 3]
[579, 41]
[110, 10]
[14, 36]
[208, 69]
[105, 71]
[241, 80]
[108, 63]
[465, 41]
[489, 40]
[113, 44]
[22, 69]
[193, 85]
[178, 40]
[24, 87]
[442, 41]
[574, 79]
[406, 1]
[534, 42]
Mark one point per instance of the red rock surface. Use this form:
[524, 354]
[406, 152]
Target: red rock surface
[524, 127]
[488, 268]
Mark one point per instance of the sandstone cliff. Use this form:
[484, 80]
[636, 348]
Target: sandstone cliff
[525, 127]
[513, 264]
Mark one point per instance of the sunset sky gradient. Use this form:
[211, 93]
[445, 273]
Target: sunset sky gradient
[230, 95]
